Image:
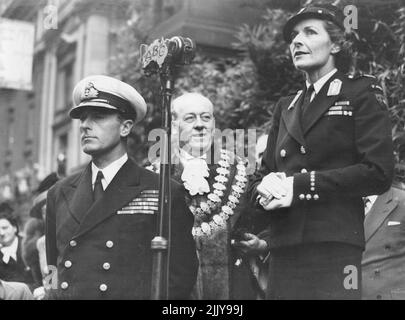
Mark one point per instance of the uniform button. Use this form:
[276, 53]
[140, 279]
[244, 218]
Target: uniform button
[103, 287]
[302, 149]
[304, 170]
[109, 244]
[309, 197]
[73, 243]
[316, 197]
[283, 153]
[64, 285]
[302, 196]
[68, 263]
[106, 266]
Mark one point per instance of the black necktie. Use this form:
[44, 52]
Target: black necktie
[307, 99]
[98, 187]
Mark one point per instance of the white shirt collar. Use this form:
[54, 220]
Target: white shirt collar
[185, 156]
[10, 251]
[320, 82]
[372, 199]
[109, 172]
[370, 204]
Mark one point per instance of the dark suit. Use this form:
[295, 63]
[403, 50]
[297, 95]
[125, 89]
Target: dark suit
[349, 152]
[101, 253]
[15, 271]
[384, 257]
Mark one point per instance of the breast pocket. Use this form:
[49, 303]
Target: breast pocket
[137, 227]
[339, 122]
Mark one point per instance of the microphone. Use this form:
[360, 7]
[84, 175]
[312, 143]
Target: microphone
[176, 51]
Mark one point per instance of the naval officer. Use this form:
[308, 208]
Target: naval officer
[100, 222]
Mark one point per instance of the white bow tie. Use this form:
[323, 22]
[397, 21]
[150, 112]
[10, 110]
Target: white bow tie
[194, 174]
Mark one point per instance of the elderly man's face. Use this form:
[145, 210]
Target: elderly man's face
[195, 123]
[8, 232]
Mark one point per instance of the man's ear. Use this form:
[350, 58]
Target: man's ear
[126, 127]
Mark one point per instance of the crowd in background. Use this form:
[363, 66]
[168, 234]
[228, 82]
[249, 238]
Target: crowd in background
[22, 247]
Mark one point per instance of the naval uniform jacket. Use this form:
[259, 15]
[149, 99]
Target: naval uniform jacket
[338, 151]
[102, 249]
[384, 257]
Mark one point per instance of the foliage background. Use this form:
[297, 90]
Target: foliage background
[245, 87]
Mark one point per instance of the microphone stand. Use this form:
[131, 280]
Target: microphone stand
[164, 57]
[159, 244]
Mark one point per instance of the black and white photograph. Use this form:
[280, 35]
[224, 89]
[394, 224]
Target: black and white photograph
[207, 155]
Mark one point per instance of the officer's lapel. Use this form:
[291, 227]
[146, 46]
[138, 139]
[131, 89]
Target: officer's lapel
[78, 195]
[382, 207]
[291, 116]
[123, 188]
[321, 103]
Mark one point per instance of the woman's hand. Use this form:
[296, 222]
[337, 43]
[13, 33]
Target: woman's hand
[251, 244]
[283, 202]
[271, 186]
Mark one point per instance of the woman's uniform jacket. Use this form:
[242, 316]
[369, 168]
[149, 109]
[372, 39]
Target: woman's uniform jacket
[338, 151]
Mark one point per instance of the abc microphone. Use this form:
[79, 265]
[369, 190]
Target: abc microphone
[176, 51]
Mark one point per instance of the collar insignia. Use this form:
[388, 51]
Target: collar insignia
[334, 87]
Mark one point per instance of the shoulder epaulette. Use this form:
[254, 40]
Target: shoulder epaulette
[360, 76]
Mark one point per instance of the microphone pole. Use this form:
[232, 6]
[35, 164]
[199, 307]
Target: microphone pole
[159, 245]
[164, 56]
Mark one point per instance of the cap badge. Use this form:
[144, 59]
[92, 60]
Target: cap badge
[90, 92]
[334, 87]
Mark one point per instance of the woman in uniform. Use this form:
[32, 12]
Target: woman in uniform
[329, 145]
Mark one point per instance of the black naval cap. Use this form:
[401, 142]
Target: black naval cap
[320, 11]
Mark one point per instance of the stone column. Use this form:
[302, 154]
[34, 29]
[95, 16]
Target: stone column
[46, 160]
